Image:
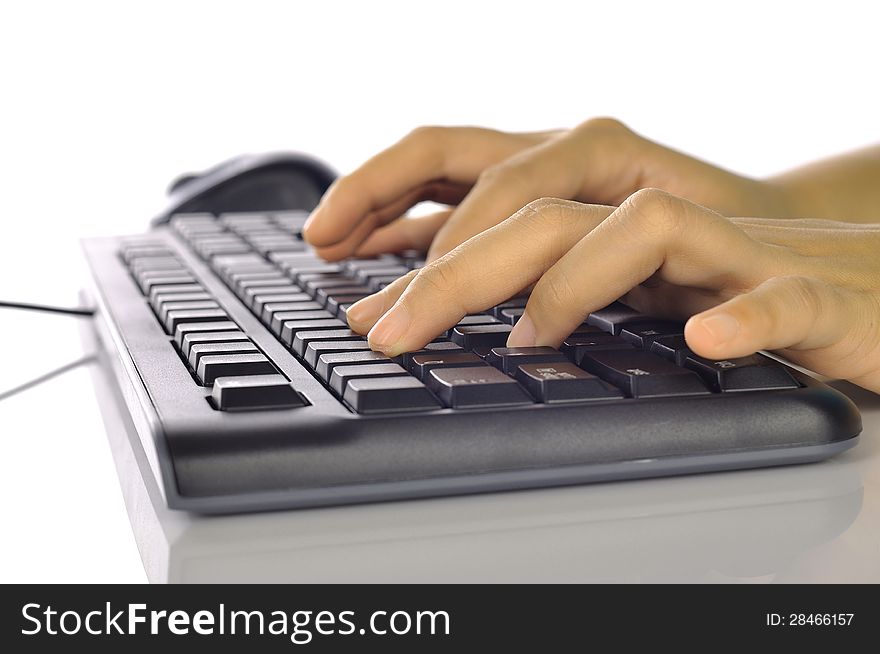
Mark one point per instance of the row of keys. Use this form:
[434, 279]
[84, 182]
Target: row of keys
[616, 353]
[307, 304]
[627, 329]
[218, 353]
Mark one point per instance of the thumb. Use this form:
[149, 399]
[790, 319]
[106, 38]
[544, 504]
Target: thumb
[782, 312]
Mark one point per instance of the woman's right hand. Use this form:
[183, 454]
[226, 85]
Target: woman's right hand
[807, 289]
[486, 175]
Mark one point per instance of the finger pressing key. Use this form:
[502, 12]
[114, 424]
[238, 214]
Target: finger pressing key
[652, 233]
[487, 269]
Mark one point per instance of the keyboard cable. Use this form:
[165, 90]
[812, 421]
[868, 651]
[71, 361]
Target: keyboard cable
[69, 311]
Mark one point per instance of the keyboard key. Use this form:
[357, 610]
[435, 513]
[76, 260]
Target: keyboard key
[742, 374]
[201, 241]
[473, 336]
[210, 250]
[354, 266]
[290, 322]
[231, 261]
[510, 316]
[671, 348]
[478, 319]
[192, 221]
[641, 374]
[383, 394]
[326, 362]
[294, 269]
[195, 230]
[293, 323]
[174, 289]
[366, 275]
[292, 221]
[233, 365]
[341, 375]
[198, 327]
[195, 338]
[197, 351]
[405, 359]
[578, 345]
[249, 270]
[421, 364]
[175, 318]
[292, 301]
[475, 386]
[240, 219]
[237, 277]
[255, 392]
[323, 281]
[614, 316]
[156, 264]
[265, 305]
[160, 299]
[302, 339]
[159, 275]
[324, 294]
[308, 279]
[298, 260]
[482, 352]
[267, 309]
[186, 306]
[642, 335]
[316, 348]
[564, 382]
[585, 328]
[268, 246]
[291, 292]
[147, 282]
[274, 281]
[286, 303]
[513, 303]
[342, 311]
[294, 312]
[508, 359]
[334, 304]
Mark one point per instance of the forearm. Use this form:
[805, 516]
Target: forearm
[844, 188]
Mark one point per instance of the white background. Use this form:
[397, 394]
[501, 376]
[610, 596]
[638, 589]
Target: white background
[102, 103]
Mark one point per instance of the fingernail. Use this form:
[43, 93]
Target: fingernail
[722, 327]
[366, 311]
[523, 333]
[387, 334]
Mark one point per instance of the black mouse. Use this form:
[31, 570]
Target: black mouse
[280, 181]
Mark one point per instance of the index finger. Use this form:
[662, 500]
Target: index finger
[479, 274]
[456, 154]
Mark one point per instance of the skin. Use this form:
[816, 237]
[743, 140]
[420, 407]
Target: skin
[649, 225]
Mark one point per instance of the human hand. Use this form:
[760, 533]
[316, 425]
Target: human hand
[807, 289]
[486, 175]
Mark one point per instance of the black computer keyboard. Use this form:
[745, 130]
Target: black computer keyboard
[229, 341]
